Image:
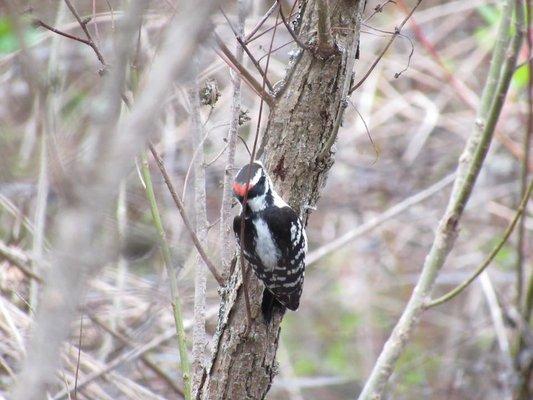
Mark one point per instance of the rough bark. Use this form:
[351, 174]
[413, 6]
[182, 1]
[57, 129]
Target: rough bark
[301, 121]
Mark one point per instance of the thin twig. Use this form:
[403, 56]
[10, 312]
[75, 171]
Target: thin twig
[216, 157]
[376, 150]
[411, 44]
[377, 9]
[278, 23]
[184, 216]
[83, 26]
[397, 32]
[261, 22]
[483, 265]
[232, 62]
[248, 52]
[38, 22]
[289, 28]
[463, 92]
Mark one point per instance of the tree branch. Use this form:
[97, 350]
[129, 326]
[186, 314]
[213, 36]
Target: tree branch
[291, 31]
[397, 32]
[184, 216]
[453, 293]
[248, 52]
[232, 62]
[38, 22]
[326, 43]
[199, 344]
[83, 26]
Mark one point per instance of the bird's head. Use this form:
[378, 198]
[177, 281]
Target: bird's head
[251, 179]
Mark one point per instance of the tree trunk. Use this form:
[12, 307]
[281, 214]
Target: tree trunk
[305, 115]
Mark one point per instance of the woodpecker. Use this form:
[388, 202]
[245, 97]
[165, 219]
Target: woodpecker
[275, 242]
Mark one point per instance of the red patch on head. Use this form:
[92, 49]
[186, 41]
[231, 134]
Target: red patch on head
[240, 190]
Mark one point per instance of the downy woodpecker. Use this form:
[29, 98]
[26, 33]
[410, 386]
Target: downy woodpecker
[274, 239]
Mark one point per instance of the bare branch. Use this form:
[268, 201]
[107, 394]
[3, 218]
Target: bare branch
[454, 292]
[245, 200]
[184, 216]
[378, 8]
[260, 23]
[247, 50]
[83, 25]
[173, 277]
[289, 28]
[232, 62]
[397, 32]
[38, 22]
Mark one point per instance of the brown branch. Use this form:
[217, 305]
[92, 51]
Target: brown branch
[184, 216]
[293, 34]
[245, 200]
[270, 11]
[397, 32]
[377, 9]
[248, 52]
[38, 22]
[83, 25]
[232, 62]
[278, 23]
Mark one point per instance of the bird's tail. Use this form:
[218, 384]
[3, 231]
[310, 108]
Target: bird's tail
[269, 304]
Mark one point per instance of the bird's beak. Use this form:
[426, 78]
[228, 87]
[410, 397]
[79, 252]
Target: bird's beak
[240, 190]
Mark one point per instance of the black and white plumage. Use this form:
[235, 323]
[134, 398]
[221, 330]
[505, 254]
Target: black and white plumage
[275, 243]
